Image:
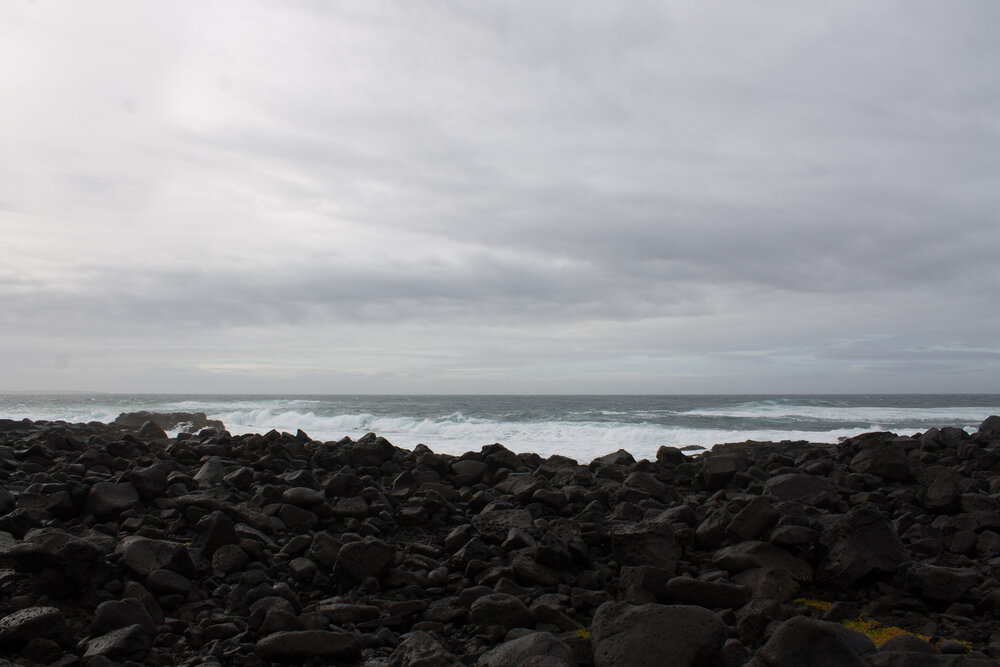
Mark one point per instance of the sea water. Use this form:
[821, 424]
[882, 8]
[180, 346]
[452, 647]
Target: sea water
[581, 427]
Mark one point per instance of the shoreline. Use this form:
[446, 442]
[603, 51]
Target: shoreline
[273, 548]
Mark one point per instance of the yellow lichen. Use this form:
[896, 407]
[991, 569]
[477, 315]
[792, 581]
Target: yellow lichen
[582, 632]
[820, 605]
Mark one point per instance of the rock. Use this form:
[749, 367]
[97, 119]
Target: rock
[751, 522]
[943, 493]
[500, 609]
[131, 641]
[148, 482]
[169, 420]
[230, 558]
[807, 641]
[908, 643]
[862, 542]
[646, 543]
[143, 555]
[301, 645]
[654, 635]
[356, 561]
[420, 649]
[116, 614]
[749, 555]
[990, 427]
[941, 584]
[494, 525]
[802, 488]
[718, 470]
[24, 624]
[108, 499]
[150, 430]
[711, 594]
[888, 461]
[468, 472]
[517, 651]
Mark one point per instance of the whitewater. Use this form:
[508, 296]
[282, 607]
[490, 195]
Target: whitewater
[581, 427]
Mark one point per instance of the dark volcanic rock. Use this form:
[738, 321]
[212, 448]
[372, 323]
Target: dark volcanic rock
[806, 641]
[654, 635]
[861, 542]
[535, 644]
[299, 646]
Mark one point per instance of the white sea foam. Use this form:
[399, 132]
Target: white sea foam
[456, 434]
[873, 414]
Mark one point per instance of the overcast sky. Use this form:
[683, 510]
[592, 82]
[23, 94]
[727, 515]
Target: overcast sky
[500, 197]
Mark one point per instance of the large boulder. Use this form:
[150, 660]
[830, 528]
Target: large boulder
[645, 543]
[802, 488]
[297, 646]
[860, 543]
[653, 635]
[533, 645]
[806, 641]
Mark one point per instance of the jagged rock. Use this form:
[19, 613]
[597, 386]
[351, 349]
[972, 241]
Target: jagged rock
[942, 584]
[654, 635]
[500, 609]
[24, 624]
[862, 542]
[143, 555]
[131, 641]
[802, 488]
[356, 561]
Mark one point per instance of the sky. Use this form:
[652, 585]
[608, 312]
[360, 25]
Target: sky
[500, 197]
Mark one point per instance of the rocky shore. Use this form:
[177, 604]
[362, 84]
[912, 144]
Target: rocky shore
[119, 545]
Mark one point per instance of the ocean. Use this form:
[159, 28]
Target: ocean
[581, 427]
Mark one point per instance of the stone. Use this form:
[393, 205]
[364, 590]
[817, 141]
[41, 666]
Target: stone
[131, 641]
[148, 482]
[356, 561]
[943, 493]
[645, 543]
[142, 555]
[109, 499]
[500, 609]
[494, 525]
[150, 430]
[718, 470]
[115, 614]
[230, 558]
[517, 651]
[860, 543]
[297, 646]
[802, 488]
[711, 594]
[468, 472]
[653, 635]
[420, 649]
[751, 522]
[748, 555]
[941, 584]
[990, 427]
[808, 641]
[24, 624]
[888, 461]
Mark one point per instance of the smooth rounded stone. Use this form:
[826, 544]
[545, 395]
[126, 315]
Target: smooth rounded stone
[296, 646]
[30, 622]
[908, 643]
[501, 609]
[802, 488]
[108, 499]
[115, 614]
[751, 522]
[350, 508]
[166, 582]
[129, 642]
[468, 471]
[302, 569]
[990, 427]
[149, 482]
[241, 478]
[807, 641]
[517, 651]
[711, 594]
[421, 649]
[942, 584]
[150, 430]
[303, 496]
[230, 558]
[645, 543]
[297, 519]
[670, 455]
[372, 450]
[143, 555]
[861, 542]
[653, 635]
[356, 561]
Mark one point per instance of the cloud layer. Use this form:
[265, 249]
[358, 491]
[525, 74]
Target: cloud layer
[451, 197]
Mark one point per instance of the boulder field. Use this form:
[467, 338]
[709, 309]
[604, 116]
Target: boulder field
[119, 545]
